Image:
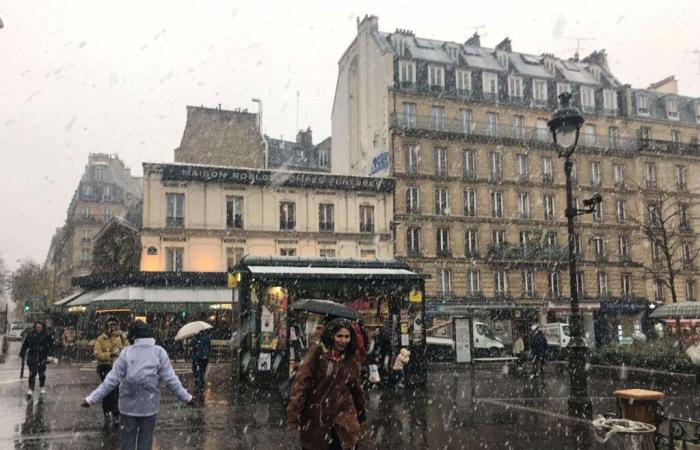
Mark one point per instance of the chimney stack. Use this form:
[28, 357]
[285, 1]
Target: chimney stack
[504, 45]
[475, 40]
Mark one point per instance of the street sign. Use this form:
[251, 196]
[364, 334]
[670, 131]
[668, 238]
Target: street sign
[463, 339]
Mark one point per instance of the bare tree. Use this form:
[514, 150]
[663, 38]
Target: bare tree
[664, 222]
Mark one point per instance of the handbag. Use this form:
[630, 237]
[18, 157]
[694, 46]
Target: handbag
[374, 374]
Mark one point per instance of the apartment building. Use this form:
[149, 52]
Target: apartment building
[480, 191]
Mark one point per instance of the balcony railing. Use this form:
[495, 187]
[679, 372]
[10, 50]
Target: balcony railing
[527, 252]
[548, 178]
[366, 227]
[174, 222]
[326, 226]
[532, 134]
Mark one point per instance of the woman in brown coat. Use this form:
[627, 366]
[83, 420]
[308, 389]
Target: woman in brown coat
[326, 402]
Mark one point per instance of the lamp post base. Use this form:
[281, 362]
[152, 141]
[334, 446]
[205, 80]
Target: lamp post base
[579, 402]
[580, 407]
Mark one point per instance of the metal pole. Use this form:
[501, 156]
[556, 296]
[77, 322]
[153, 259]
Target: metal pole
[579, 403]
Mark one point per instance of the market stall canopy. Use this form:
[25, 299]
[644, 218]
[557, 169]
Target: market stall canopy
[326, 307]
[690, 310]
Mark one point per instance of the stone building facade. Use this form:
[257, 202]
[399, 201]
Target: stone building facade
[205, 218]
[480, 194]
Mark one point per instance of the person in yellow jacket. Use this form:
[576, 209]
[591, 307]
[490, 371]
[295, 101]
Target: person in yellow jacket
[107, 348]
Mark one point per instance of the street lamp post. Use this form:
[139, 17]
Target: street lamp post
[565, 127]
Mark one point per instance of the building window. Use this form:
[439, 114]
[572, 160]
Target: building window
[642, 105]
[442, 239]
[501, 282]
[580, 285]
[595, 173]
[613, 137]
[602, 284]
[466, 116]
[626, 282]
[86, 212]
[99, 174]
[287, 216]
[587, 99]
[499, 238]
[463, 80]
[87, 234]
[175, 216]
[324, 157]
[471, 243]
[496, 166]
[528, 284]
[412, 158]
[444, 282]
[547, 170]
[650, 174]
[233, 255]
[623, 247]
[496, 204]
[518, 126]
[654, 215]
[106, 214]
[413, 243]
[326, 252]
[400, 46]
[551, 239]
[87, 190]
[442, 202]
[107, 193]
[515, 87]
[326, 217]
[368, 254]
[644, 135]
[599, 245]
[234, 212]
[412, 200]
[548, 201]
[563, 87]
[288, 252]
[542, 131]
[683, 219]
[492, 124]
[522, 166]
[473, 282]
[553, 284]
[619, 211]
[470, 202]
[689, 290]
[523, 205]
[366, 219]
[656, 251]
[658, 291]
[84, 255]
[409, 115]
[618, 175]
[610, 101]
[680, 178]
[174, 258]
[525, 238]
[676, 136]
[490, 85]
[407, 72]
[441, 161]
[438, 118]
[687, 255]
[672, 108]
[589, 136]
[539, 92]
[436, 76]
[469, 165]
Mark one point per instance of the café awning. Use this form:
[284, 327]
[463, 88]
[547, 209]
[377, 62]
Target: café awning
[688, 310]
[361, 273]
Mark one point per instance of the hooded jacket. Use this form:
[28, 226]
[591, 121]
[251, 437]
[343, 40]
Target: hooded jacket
[37, 347]
[139, 371]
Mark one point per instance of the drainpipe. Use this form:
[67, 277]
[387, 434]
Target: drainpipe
[260, 129]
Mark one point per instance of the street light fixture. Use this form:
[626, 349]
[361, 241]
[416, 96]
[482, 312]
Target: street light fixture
[565, 127]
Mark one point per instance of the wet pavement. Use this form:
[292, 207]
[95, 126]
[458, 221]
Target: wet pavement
[458, 409]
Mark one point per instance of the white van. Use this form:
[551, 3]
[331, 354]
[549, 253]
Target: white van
[486, 344]
[16, 329]
[558, 337]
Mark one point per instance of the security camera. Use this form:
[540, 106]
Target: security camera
[593, 200]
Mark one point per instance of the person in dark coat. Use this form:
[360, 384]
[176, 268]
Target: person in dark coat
[538, 347]
[326, 402]
[37, 347]
[201, 351]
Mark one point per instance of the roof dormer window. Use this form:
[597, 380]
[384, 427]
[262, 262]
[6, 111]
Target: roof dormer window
[503, 59]
[407, 72]
[453, 52]
[401, 45]
[610, 101]
[595, 71]
[436, 76]
[672, 108]
[549, 65]
[642, 105]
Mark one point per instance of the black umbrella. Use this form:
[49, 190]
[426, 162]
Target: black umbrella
[326, 307]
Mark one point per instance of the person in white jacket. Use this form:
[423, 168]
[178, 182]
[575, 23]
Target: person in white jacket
[138, 372]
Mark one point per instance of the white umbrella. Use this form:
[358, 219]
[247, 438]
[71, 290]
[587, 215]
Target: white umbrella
[191, 329]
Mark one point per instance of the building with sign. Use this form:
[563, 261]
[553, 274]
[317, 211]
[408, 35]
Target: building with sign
[205, 218]
[480, 193]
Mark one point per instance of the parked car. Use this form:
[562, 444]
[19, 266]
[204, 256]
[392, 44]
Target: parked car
[17, 331]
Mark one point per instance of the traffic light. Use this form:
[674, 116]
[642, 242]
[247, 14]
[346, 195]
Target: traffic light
[27, 307]
[183, 314]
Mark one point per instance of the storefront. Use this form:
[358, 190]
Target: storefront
[384, 293]
[618, 320]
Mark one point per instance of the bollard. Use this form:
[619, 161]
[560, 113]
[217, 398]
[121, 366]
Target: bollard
[639, 405]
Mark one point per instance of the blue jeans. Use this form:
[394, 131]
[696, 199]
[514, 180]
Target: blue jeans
[137, 432]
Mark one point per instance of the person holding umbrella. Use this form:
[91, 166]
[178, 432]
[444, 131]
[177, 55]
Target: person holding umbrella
[138, 372]
[201, 350]
[37, 348]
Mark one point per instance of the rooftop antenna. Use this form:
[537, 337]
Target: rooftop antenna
[477, 28]
[578, 40]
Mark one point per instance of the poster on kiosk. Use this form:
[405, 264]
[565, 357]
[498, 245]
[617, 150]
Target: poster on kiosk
[462, 327]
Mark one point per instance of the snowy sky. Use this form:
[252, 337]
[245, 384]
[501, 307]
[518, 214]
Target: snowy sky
[80, 76]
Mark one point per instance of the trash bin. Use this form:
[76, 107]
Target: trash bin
[639, 405]
[622, 434]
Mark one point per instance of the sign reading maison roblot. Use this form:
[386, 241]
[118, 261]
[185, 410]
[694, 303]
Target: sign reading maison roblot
[233, 175]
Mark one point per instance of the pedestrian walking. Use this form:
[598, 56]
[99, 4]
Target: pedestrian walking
[138, 372]
[37, 348]
[326, 403]
[538, 347]
[519, 352]
[201, 351]
[108, 345]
